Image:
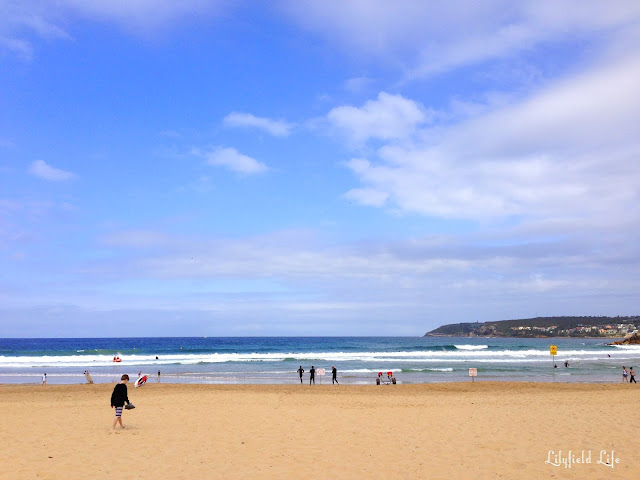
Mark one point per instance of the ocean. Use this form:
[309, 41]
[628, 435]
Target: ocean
[274, 360]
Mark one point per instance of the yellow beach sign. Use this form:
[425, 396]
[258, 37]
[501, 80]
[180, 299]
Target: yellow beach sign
[553, 349]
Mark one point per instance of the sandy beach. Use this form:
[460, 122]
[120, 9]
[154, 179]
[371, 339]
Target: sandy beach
[458, 430]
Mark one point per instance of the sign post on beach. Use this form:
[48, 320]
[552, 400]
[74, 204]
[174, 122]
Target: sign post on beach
[473, 372]
[553, 349]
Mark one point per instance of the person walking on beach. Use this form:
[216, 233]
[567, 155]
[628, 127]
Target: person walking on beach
[624, 374]
[300, 372]
[44, 379]
[158, 376]
[312, 375]
[118, 398]
[632, 375]
[334, 375]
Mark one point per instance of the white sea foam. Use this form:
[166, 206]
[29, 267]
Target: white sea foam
[449, 369]
[362, 370]
[471, 347]
[429, 355]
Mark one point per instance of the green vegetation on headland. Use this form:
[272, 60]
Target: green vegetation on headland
[543, 327]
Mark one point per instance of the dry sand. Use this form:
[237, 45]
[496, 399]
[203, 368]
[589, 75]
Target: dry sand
[463, 430]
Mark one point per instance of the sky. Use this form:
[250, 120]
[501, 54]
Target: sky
[295, 167]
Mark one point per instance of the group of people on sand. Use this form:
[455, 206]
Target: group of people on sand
[312, 374]
[631, 374]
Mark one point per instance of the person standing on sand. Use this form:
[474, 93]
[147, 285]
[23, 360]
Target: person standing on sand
[334, 375]
[44, 379]
[632, 375]
[158, 376]
[300, 372]
[118, 398]
[624, 374]
[312, 375]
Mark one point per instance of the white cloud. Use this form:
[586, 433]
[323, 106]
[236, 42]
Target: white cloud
[232, 159]
[367, 196]
[568, 151]
[386, 118]
[41, 169]
[277, 128]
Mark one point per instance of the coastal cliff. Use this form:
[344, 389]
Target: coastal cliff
[585, 327]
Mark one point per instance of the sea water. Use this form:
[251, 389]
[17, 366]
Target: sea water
[275, 360]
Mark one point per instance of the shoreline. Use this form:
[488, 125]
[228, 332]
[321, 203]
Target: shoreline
[444, 385]
[559, 380]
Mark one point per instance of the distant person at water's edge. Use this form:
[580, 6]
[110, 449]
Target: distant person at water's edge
[624, 374]
[334, 375]
[300, 372]
[118, 398]
[632, 375]
[44, 379]
[312, 375]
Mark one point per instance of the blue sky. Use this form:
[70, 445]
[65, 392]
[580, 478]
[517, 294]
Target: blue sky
[315, 168]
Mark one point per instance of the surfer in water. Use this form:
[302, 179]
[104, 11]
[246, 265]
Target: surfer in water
[312, 375]
[300, 372]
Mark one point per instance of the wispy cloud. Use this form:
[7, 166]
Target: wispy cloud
[24, 22]
[421, 274]
[232, 159]
[43, 170]
[358, 84]
[136, 239]
[145, 15]
[435, 37]
[18, 47]
[277, 128]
